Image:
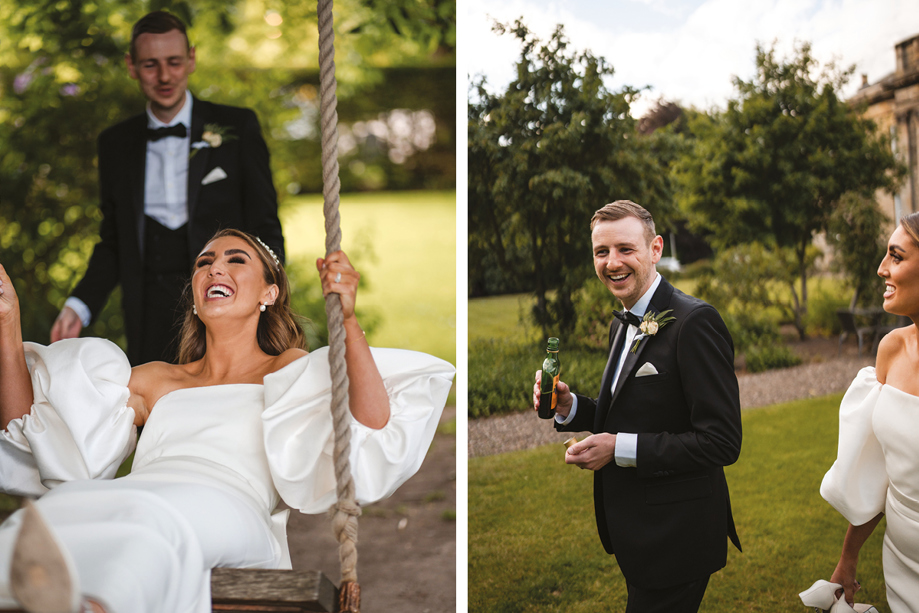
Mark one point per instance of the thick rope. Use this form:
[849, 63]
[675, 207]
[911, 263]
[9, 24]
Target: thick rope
[344, 514]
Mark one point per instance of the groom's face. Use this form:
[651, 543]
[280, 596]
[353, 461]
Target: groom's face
[624, 257]
[161, 65]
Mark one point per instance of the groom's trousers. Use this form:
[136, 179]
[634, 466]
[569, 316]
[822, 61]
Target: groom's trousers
[683, 598]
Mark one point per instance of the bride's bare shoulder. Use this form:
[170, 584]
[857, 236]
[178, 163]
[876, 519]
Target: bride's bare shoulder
[288, 356]
[149, 382]
[892, 347]
[155, 374]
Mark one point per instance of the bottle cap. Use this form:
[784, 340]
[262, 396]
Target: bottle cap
[571, 441]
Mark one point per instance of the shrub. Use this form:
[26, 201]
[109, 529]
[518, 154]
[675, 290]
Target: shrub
[594, 305]
[822, 307]
[500, 376]
[502, 371]
[766, 356]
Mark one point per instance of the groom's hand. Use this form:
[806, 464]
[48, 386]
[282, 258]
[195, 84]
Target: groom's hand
[594, 452]
[563, 396]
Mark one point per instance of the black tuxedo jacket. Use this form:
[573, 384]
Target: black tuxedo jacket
[245, 200]
[666, 520]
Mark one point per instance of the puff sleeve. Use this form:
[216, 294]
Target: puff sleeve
[856, 484]
[78, 427]
[299, 437]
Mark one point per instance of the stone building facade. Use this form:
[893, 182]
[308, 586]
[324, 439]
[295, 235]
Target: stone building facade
[893, 104]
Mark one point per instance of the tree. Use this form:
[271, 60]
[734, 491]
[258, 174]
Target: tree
[543, 155]
[775, 164]
[855, 230]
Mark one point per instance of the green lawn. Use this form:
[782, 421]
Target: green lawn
[405, 243]
[533, 545]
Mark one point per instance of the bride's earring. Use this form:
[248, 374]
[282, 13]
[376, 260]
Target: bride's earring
[194, 309]
[262, 308]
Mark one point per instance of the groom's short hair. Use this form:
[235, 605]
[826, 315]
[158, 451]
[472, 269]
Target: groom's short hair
[614, 211]
[157, 22]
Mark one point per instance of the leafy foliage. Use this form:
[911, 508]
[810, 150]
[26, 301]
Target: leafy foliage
[856, 231]
[501, 373]
[543, 156]
[775, 164]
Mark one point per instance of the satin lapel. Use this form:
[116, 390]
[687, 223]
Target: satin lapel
[631, 358]
[136, 177]
[198, 162]
[660, 301]
[603, 398]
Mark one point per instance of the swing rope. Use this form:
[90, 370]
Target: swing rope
[346, 511]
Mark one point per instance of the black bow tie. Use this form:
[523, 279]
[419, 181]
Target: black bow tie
[176, 130]
[627, 318]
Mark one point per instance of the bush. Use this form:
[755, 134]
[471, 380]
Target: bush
[822, 307]
[770, 355]
[500, 376]
[594, 305]
[501, 373]
[749, 328]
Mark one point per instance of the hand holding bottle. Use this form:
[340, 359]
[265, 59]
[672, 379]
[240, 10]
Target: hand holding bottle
[562, 392]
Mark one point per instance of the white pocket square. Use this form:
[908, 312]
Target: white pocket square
[646, 369]
[215, 175]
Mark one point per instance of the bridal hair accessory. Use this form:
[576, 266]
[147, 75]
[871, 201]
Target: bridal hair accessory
[262, 308]
[338, 278]
[277, 263]
[822, 597]
[650, 324]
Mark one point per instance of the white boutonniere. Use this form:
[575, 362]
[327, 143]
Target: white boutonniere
[650, 324]
[214, 136]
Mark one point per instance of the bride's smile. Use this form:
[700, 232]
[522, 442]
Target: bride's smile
[228, 274]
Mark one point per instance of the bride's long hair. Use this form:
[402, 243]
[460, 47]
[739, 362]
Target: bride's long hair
[278, 327]
[910, 223]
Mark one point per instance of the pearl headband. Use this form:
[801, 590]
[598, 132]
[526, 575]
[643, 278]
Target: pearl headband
[277, 263]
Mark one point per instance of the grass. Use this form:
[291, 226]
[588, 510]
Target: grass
[405, 244]
[497, 317]
[533, 545]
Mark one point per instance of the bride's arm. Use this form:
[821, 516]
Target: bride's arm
[15, 383]
[368, 398]
[848, 560]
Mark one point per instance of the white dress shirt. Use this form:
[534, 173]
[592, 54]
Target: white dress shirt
[626, 442]
[166, 178]
[165, 182]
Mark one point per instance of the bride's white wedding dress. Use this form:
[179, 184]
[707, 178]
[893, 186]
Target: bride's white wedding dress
[211, 466]
[877, 470]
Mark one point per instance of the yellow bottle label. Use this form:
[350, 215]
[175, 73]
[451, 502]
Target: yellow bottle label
[554, 393]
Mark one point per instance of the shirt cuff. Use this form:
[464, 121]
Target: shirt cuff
[627, 449]
[564, 421]
[79, 307]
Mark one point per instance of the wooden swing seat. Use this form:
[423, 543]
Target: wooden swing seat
[272, 591]
[268, 591]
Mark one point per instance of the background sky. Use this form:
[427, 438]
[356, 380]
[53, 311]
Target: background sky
[688, 50]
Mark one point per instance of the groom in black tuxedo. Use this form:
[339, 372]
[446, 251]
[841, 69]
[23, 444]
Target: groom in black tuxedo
[666, 422]
[168, 178]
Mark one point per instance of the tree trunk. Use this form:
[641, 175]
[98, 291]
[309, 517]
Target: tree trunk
[801, 309]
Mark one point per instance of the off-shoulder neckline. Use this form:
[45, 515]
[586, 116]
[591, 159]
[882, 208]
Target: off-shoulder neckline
[874, 376]
[898, 390]
[215, 385]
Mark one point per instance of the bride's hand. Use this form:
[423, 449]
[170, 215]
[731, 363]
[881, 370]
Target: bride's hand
[339, 277]
[845, 576]
[9, 302]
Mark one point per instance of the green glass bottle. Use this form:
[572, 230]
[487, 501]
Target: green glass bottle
[551, 369]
